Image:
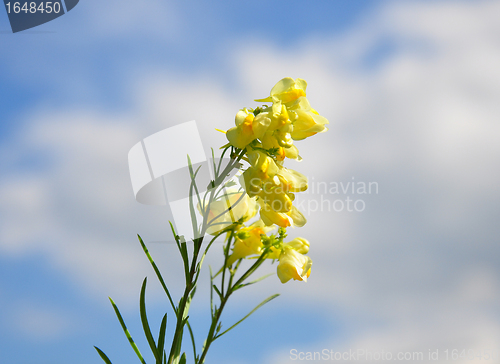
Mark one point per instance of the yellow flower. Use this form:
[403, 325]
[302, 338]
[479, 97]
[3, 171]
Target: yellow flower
[297, 217]
[284, 137]
[248, 128]
[248, 241]
[262, 168]
[291, 105]
[233, 206]
[305, 120]
[292, 181]
[277, 193]
[300, 245]
[294, 265]
[279, 116]
[269, 216]
[276, 198]
[287, 90]
[269, 141]
[292, 153]
[284, 219]
[270, 123]
[250, 245]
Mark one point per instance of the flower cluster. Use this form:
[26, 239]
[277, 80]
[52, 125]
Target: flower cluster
[266, 135]
[246, 208]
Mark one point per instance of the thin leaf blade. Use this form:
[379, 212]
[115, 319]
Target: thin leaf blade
[192, 340]
[161, 336]
[145, 323]
[103, 356]
[270, 298]
[127, 333]
[157, 271]
[254, 281]
[183, 359]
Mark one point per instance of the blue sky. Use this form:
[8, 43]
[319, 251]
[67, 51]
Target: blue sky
[410, 89]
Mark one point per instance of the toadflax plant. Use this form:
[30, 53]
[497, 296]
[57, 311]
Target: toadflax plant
[250, 211]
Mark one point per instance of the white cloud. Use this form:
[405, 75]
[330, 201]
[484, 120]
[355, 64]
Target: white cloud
[78, 206]
[38, 323]
[422, 123]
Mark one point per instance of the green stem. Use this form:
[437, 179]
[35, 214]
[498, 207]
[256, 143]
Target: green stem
[226, 254]
[231, 288]
[183, 308]
[213, 326]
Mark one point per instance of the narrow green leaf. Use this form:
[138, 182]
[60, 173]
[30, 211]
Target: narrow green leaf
[202, 259]
[103, 356]
[196, 186]
[181, 245]
[229, 167]
[253, 282]
[127, 333]
[191, 294]
[189, 300]
[176, 349]
[230, 184]
[253, 268]
[213, 163]
[191, 204]
[218, 191]
[161, 337]
[198, 268]
[185, 258]
[192, 341]
[217, 290]
[145, 323]
[204, 344]
[220, 161]
[157, 271]
[192, 211]
[211, 291]
[183, 359]
[205, 202]
[255, 309]
[176, 237]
